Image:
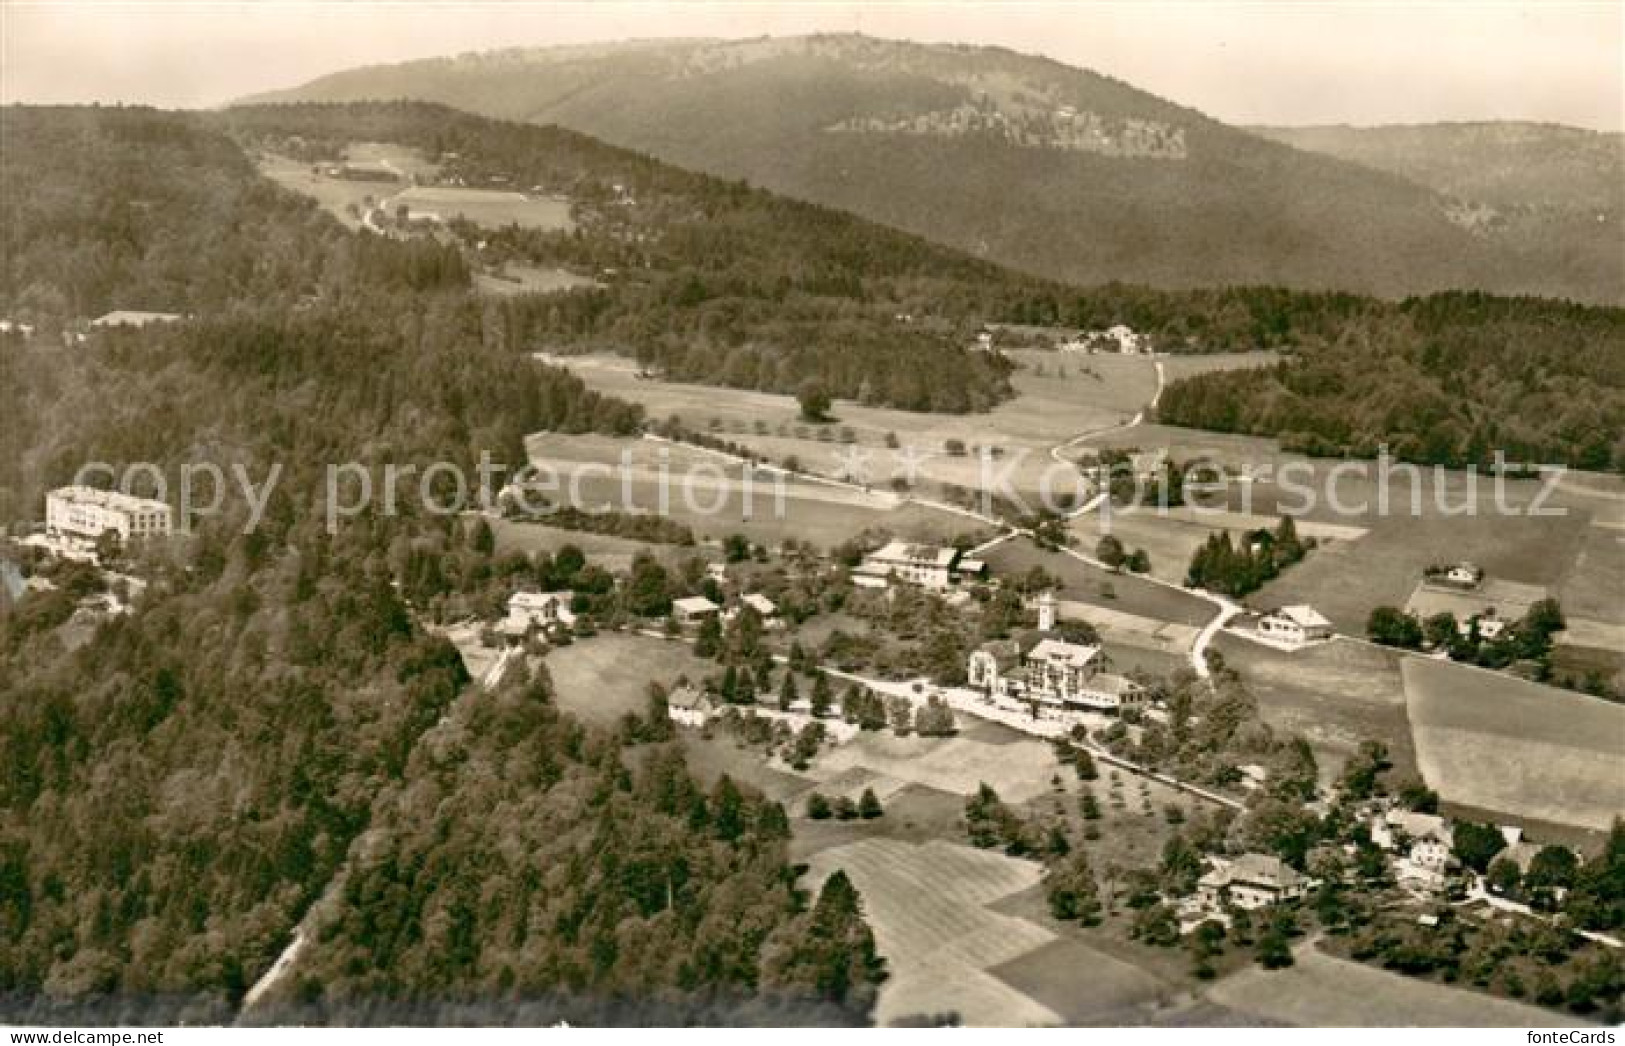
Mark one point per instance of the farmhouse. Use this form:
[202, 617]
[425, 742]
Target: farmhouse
[693, 609]
[1424, 840]
[1249, 882]
[765, 608]
[1489, 625]
[527, 610]
[1295, 624]
[85, 513]
[1464, 574]
[690, 707]
[926, 565]
[1119, 338]
[1050, 671]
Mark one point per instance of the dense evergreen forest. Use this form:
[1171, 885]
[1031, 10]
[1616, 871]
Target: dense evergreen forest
[1447, 380]
[716, 282]
[179, 785]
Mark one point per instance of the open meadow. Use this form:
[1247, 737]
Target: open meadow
[1083, 584]
[1495, 742]
[1056, 399]
[491, 208]
[336, 196]
[1335, 694]
[1018, 768]
[1378, 533]
[1321, 990]
[604, 677]
[396, 168]
[706, 492]
[514, 278]
[929, 907]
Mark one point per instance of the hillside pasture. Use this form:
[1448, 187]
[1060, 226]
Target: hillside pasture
[1083, 985]
[1085, 584]
[1495, 596]
[611, 553]
[1334, 694]
[1345, 580]
[1185, 365]
[707, 492]
[1499, 743]
[1590, 592]
[404, 161]
[1047, 410]
[1320, 991]
[1018, 770]
[529, 279]
[492, 208]
[929, 908]
[604, 677]
[1168, 542]
[333, 195]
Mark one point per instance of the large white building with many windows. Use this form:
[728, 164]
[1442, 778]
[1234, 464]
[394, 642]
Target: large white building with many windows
[1052, 672]
[85, 513]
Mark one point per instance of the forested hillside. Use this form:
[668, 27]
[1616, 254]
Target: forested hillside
[1446, 380]
[709, 281]
[1047, 168]
[178, 785]
[1506, 164]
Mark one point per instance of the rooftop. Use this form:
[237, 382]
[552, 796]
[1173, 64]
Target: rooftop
[1303, 615]
[133, 318]
[920, 555]
[1055, 651]
[107, 499]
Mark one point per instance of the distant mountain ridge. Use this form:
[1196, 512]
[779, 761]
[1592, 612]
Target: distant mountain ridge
[1020, 159]
[1502, 163]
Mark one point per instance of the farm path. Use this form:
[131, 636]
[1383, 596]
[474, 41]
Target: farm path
[1057, 452]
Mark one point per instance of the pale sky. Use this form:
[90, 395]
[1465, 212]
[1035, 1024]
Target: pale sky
[1282, 63]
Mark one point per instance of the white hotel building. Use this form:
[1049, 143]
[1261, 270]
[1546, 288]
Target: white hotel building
[85, 513]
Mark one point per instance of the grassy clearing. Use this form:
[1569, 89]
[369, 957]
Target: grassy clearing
[1507, 599]
[913, 814]
[611, 553]
[1185, 366]
[1046, 410]
[1083, 583]
[706, 493]
[1345, 580]
[1499, 743]
[1169, 542]
[1320, 990]
[488, 207]
[1335, 694]
[1018, 770]
[711, 754]
[1591, 586]
[333, 195]
[928, 907]
[1133, 825]
[603, 678]
[530, 279]
[404, 159]
[1082, 984]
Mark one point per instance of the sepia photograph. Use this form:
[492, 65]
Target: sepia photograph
[526, 515]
